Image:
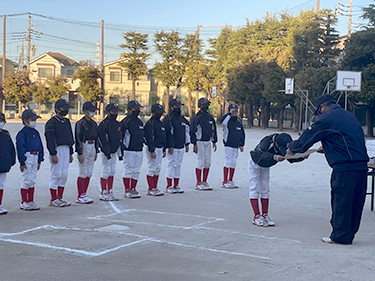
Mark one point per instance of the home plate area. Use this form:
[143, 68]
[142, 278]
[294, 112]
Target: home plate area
[127, 228]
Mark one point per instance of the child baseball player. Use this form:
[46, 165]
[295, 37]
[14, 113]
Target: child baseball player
[7, 156]
[132, 138]
[178, 139]
[110, 141]
[59, 138]
[267, 153]
[156, 137]
[234, 139]
[30, 155]
[87, 147]
[202, 133]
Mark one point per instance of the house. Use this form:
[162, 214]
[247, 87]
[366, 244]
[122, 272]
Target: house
[51, 65]
[118, 85]
[9, 66]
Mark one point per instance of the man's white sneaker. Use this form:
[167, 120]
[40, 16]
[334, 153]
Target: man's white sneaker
[84, 199]
[327, 240]
[227, 185]
[206, 186]
[232, 184]
[34, 206]
[171, 190]
[178, 189]
[2, 210]
[112, 197]
[268, 220]
[104, 196]
[259, 220]
[64, 203]
[25, 206]
[155, 192]
[199, 186]
[56, 203]
[132, 194]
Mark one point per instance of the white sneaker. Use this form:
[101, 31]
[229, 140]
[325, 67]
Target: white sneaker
[268, 220]
[64, 203]
[2, 210]
[206, 186]
[171, 190]
[327, 240]
[26, 206]
[84, 199]
[259, 220]
[155, 192]
[112, 197]
[232, 184]
[56, 203]
[104, 196]
[34, 206]
[178, 189]
[132, 194]
[199, 186]
[227, 185]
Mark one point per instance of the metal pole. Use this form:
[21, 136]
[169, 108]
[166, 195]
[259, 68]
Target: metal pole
[350, 18]
[300, 116]
[4, 47]
[102, 69]
[317, 5]
[307, 104]
[346, 100]
[28, 44]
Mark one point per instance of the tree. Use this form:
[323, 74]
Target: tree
[89, 87]
[134, 60]
[18, 88]
[170, 70]
[369, 14]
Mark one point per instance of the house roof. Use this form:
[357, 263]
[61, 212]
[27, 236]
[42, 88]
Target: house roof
[8, 60]
[64, 60]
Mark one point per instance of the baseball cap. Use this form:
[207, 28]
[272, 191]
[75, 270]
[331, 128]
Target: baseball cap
[232, 106]
[203, 101]
[2, 116]
[30, 114]
[133, 104]
[282, 140]
[112, 107]
[62, 103]
[89, 105]
[175, 102]
[320, 100]
[157, 108]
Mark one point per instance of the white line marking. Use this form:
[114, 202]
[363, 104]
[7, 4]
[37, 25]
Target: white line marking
[118, 211]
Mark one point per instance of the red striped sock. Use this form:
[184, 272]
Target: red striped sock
[126, 184]
[169, 182]
[225, 173]
[198, 175]
[231, 174]
[255, 205]
[110, 183]
[31, 194]
[205, 174]
[103, 184]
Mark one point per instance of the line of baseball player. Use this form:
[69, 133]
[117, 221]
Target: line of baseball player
[168, 138]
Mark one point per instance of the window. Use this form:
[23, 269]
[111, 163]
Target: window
[114, 76]
[45, 72]
[69, 72]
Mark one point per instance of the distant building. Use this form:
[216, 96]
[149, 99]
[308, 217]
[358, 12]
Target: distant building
[10, 66]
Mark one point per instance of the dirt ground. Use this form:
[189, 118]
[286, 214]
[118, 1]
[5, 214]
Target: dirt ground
[198, 235]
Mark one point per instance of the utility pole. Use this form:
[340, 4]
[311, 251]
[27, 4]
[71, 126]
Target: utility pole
[317, 5]
[102, 70]
[28, 39]
[21, 61]
[350, 17]
[4, 47]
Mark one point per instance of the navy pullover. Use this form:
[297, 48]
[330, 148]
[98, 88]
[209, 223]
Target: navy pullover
[109, 136]
[28, 140]
[178, 131]
[233, 132]
[132, 133]
[7, 152]
[342, 139]
[203, 127]
[86, 130]
[155, 134]
[58, 132]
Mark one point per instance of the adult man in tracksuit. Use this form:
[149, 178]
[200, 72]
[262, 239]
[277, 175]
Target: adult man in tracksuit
[178, 140]
[156, 137]
[234, 139]
[87, 147]
[132, 139]
[59, 138]
[202, 133]
[7, 156]
[109, 133]
[343, 144]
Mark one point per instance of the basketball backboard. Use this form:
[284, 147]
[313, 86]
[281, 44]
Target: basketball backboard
[348, 81]
[289, 86]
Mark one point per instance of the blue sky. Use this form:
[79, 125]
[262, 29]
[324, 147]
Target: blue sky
[144, 16]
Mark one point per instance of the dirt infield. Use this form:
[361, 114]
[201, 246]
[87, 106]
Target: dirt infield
[198, 235]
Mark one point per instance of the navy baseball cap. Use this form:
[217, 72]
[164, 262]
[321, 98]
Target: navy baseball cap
[112, 107]
[89, 105]
[157, 108]
[2, 116]
[30, 114]
[203, 101]
[133, 104]
[322, 99]
[175, 102]
[282, 140]
[62, 103]
[232, 106]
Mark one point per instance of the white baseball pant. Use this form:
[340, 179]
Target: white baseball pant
[259, 180]
[29, 174]
[59, 171]
[174, 162]
[132, 164]
[3, 177]
[154, 165]
[108, 165]
[230, 157]
[204, 154]
[88, 152]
